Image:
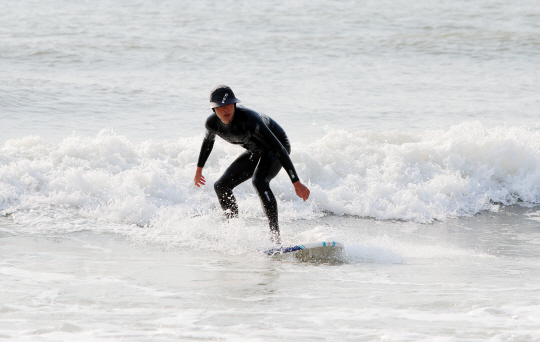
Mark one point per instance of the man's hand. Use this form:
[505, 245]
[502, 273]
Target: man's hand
[199, 178]
[301, 190]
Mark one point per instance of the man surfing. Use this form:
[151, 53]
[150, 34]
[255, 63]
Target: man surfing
[267, 151]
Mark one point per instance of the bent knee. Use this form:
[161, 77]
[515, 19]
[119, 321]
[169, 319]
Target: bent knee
[260, 184]
[220, 187]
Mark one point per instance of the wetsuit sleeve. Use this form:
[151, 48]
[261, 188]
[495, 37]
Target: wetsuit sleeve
[265, 135]
[206, 148]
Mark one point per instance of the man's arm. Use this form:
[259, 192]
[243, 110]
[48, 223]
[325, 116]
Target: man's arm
[199, 178]
[301, 190]
[265, 135]
[206, 149]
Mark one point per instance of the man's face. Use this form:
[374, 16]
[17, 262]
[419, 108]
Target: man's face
[225, 113]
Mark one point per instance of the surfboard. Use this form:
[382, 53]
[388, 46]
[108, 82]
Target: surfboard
[313, 250]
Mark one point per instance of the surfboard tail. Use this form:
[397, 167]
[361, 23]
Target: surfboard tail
[283, 249]
[330, 245]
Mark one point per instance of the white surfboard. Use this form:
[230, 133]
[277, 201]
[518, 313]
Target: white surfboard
[314, 250]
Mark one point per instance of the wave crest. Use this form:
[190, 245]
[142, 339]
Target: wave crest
[420, 177]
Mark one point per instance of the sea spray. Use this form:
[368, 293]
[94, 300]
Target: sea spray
[392, 175]
[423, 177]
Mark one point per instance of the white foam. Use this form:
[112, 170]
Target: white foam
[423, 177]
[419, 177]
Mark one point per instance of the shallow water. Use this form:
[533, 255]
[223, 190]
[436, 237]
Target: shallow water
[465, 279]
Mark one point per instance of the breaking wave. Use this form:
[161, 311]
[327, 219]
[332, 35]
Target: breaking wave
[393, 175]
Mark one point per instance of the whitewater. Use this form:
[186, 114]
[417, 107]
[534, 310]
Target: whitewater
[416, 126]
[433, 175]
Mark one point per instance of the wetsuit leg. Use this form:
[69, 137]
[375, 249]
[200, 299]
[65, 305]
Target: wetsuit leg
[238, 172]
[268, 168]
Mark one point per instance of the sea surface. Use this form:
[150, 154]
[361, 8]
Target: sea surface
[416, 126]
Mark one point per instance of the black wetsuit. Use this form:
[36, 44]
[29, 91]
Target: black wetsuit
[268, 150]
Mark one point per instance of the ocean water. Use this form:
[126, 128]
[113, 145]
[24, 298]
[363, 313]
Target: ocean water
[416, 127]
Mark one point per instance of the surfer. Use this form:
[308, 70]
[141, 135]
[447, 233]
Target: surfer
[267, 151]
